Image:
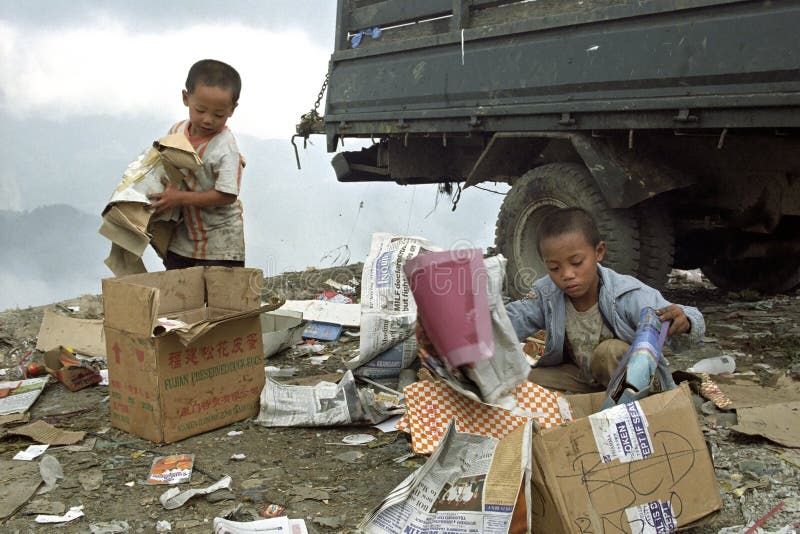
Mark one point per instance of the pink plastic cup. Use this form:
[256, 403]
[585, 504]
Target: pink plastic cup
[450, 289]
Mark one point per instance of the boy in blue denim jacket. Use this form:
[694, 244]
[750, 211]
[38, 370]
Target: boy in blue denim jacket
[590, 312]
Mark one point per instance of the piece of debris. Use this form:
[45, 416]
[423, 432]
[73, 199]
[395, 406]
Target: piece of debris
[33, 451]
[73, 513]
[175, 498]
[173, 469]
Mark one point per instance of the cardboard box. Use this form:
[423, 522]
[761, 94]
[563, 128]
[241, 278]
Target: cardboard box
[67, 369]
[653, 472]
[280, 329]
[167, 385]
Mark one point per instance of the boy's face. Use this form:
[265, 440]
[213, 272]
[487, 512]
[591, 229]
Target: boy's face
[571, 263]
[209, 109]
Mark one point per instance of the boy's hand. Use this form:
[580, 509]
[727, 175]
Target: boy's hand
[168, 199]
[680, 323]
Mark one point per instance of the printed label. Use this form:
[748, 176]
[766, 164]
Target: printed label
[383, 270]
[655, 517]
[621, 433]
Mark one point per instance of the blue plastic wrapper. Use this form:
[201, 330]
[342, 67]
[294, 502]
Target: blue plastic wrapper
[355, 39]
[644, 369]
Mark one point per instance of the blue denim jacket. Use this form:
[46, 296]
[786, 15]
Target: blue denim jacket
[621, 299]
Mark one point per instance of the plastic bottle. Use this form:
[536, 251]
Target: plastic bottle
[26, 370]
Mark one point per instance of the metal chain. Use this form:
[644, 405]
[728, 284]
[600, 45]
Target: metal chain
[321, 92]
[310, 123]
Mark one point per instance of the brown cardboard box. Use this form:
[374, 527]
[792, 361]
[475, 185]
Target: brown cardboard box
[166, 385]
[671, 484]
[62, 364]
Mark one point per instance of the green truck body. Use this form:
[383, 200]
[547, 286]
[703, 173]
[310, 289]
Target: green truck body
[674, 122]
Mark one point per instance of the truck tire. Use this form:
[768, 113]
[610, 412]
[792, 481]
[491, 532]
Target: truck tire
[538, 192]
[768, 275]
[656, 244]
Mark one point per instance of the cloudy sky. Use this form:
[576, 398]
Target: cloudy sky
[87, 85]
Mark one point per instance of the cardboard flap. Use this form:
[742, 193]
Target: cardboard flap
[178, 290]
[234, 288]
[129, 307]
[177, 150]
[192, 332]
[83, 335]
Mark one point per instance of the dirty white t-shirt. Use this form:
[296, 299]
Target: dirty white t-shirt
[585, 330]
[215, 233]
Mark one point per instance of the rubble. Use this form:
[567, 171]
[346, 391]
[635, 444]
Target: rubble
[312, 475]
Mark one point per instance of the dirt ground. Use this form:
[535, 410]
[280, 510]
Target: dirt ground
[332, 485]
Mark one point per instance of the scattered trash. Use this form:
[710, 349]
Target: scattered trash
[280, 330]
[67, 369]
[357, 439]
[271, 510]
[391, 362]
[310, 348]
[390, 425]
[442, 282]
[19, 396]
[343, 288]
[238, 457]
[777, 422]
[325, 312]
[318, 360]
[274, 525]
[470, 481]
[643, 366]
[47, 433]
[174, 469]
[233, 433]
[322, 331]
[325, 404]
[333, 296]
[73, 513]
[175, 498]
[163, 526]
[50, 470]
[356, 38]
[33, 451]
[109, 527]
[718, 365]
[280, 373]
[85, 336]
[388, 312]
[432, 405]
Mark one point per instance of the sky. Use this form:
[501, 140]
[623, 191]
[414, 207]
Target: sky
[88, 84]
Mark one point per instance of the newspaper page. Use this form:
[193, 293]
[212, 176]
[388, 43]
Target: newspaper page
[324, 404]
[388, 310]
[470, 484]
[22, 394]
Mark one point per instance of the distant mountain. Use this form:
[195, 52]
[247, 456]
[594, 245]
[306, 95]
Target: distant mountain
[49, 253]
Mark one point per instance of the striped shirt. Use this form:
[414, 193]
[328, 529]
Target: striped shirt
[213, 233]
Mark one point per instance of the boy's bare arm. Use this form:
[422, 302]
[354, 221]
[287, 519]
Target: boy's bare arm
[172, 197]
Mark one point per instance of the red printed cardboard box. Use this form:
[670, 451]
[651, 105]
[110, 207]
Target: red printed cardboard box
[636, 468]
[184, 350]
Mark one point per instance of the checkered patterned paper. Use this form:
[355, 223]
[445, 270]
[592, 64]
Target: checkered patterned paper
[431, 405]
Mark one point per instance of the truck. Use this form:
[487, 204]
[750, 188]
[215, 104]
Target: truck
[674, 122]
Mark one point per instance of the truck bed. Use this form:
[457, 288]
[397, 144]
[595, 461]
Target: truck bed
[460, 66]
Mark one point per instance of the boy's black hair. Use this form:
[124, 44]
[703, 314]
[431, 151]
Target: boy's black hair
[567, 220]
[215, 74]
